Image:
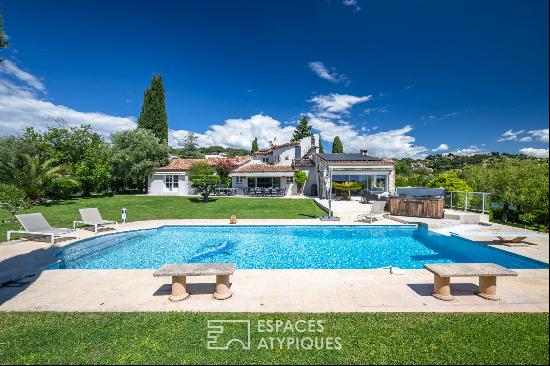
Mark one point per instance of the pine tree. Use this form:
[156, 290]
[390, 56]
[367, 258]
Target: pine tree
[254, 145]
[153, 112]
[302, 130]
[3, 39]
[337, 147]
[321, 148]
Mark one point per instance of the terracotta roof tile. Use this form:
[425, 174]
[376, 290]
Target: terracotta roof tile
[181, 165]
[263, 168]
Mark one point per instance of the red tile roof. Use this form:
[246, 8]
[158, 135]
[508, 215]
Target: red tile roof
[263, 168]
[181, 165]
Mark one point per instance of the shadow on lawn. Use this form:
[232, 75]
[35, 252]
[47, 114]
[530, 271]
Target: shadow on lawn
[201, 200]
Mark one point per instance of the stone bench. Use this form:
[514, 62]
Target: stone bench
[487, 273]
[179, 272]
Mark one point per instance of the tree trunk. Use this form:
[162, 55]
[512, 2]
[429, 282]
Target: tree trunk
[504, 215]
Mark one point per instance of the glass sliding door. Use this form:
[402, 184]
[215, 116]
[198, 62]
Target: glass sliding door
[370, 182]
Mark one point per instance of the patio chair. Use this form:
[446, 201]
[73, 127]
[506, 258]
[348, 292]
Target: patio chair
[92, 217]
[36, 224]
[376, 212]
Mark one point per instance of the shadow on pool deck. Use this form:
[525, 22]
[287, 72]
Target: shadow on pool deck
[457, 289]
[18, 272]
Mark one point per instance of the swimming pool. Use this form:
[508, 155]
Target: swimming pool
[282, 247]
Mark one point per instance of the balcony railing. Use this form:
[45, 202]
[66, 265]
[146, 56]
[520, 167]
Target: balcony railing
[468, 201]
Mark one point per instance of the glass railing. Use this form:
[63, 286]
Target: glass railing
[468, 201]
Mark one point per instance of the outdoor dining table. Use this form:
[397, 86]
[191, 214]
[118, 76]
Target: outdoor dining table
[228, 191]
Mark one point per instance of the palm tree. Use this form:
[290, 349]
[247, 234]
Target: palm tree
[34, 175]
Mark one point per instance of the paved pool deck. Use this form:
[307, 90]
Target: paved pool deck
[255, 290]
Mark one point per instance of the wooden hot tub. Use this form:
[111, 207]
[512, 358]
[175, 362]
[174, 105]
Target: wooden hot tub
[416, 206]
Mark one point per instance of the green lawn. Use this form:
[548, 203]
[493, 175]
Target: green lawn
[149, 208]
[180, 338]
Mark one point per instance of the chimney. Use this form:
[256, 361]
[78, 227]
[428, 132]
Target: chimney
[364, 151]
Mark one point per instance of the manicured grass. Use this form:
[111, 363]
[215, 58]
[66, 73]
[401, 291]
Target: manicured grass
[149, 208]
[180, 338]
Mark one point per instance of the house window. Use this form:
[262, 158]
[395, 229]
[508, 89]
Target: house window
[289, 180]
[240, 180]
[171, 181]
[265, 160]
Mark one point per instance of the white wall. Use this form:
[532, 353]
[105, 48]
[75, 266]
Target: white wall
[157, 187]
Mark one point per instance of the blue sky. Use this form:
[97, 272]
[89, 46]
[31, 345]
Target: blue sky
[402, 78]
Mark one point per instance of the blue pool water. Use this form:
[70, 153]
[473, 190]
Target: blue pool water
[282, 247]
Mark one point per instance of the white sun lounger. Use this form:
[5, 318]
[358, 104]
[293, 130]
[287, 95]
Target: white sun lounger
[376, 212]
[36, 224]
[92, 217]
[509, 238]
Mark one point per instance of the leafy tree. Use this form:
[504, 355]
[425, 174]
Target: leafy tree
[300, 178]
[223, 168]
[521, 185]
[190, 148]
[403, 167]
[153, 111]
[12, 199]
[11, 152]
[450, 181]
[337, 147]
[254, 146]
[344, 188]
[77, 147]
[135, 156]
[302, 130]
[3, 39]
[38, 178]
[94, 172]
[203, 178]
[415, 180]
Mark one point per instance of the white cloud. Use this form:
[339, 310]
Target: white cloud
[541, 135]
[337, 103]
[10, 68]
[525, 136]
[442, 147]
[239, 133]
[324, 73]
[537, 153]
[468, 151]
[352, 3]
[20, 107]
[390, 144]
[511, 135]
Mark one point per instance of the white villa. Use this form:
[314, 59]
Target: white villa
[273, 169]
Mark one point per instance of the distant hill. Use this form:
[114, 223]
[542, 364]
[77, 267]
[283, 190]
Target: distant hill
[444, 162]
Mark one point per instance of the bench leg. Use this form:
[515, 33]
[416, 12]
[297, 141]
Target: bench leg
[442, 288]
[222, 288]
[488, 288]
[179, 288]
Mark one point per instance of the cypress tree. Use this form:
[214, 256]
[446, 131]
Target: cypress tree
[153, 111]
[302, 130]
[321, 148]
[337, 147]
[254, 145]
